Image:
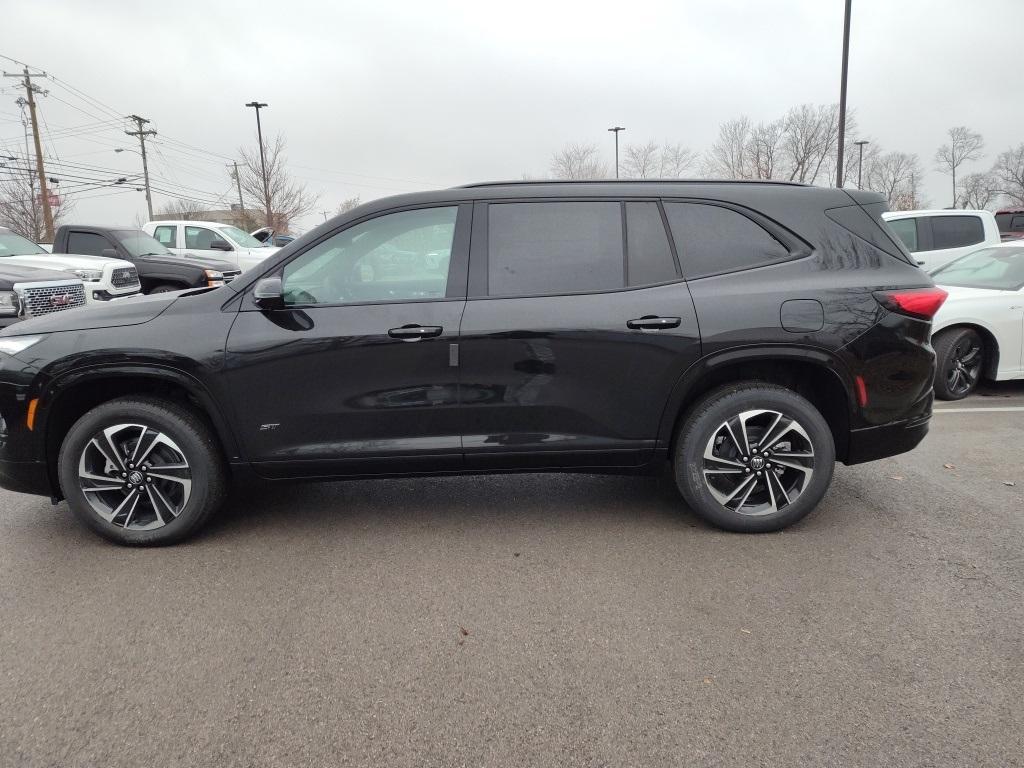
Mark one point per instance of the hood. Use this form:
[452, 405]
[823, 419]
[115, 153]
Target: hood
[203, 262]
[131, 311]
[12, 271]
[64, 261]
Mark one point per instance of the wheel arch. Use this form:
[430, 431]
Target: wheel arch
[990, 365]
[71, 395]
[813, 373]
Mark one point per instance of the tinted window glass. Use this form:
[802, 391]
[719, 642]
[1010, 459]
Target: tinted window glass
[1003, 221]
[550, 248]
[711, 239]
[649, 256]
[87, 243]
[166, 236]
[200, 238]
[396, 257]
[1017, 224]
[905, 230]
[956, 231]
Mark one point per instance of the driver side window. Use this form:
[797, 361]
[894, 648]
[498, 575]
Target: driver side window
[396, 257]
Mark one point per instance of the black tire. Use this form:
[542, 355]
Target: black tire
[701, 429]
[959, 357]
[165, 288]
[191, 438]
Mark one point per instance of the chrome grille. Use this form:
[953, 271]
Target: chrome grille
[231, 274]
[123, 277]
[46, 298]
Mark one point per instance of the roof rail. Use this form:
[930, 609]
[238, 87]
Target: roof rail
[534, 182]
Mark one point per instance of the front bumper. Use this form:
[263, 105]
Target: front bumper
[25, 477]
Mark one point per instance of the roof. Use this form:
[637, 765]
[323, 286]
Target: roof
[623, 182]
[935, 212]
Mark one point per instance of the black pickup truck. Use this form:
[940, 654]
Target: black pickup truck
[159, 269]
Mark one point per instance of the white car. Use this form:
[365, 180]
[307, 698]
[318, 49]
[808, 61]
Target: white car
[936, 238]
[208, 238]
[104, 278]
[979, 330]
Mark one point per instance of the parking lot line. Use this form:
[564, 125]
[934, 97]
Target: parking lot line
[1003, 409]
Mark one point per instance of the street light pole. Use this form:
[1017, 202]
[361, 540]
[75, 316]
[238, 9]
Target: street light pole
[263, 161]
[842, 95]
[860, 160]
[616, 130]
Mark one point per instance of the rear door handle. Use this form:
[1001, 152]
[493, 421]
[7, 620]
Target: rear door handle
[652, 323]
[415, 332]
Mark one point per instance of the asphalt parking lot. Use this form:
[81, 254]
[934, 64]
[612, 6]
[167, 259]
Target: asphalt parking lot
[536, 620]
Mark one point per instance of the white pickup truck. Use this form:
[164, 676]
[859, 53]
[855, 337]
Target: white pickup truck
[210, 239]
[104, 278]
[935, 238]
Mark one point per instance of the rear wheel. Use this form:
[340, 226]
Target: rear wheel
[959, 354]
[753, 457]
[142, 471]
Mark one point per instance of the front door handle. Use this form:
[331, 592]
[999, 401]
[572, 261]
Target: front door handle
[415, 332]
[652, 323]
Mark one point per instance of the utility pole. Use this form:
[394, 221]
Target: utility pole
[30, 91]
[263, 161]
[238, 184]
[325, 214]
[139, 122]
[842, 95]
[860, 161]
[616, 130]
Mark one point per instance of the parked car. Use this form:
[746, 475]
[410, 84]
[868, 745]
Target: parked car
[268, 236]
[104, 279]
[27, 292]
[937, 237]
[1011, 223]
[749, 333]
[979, 331]
[210, 240]
[159, 270]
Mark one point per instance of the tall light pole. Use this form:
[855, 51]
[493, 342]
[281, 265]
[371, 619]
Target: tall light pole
[263, 161]
[616, 130]
[860, 161]
[842, 94]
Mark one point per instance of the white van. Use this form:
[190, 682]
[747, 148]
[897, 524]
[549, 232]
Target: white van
[208, 238]
[935, 238]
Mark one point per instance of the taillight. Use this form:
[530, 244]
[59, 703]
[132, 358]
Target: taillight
[921, 303]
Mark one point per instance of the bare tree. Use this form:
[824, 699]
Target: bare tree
[641, 161]
[1009, 170]
[675, 161]
[979, 190]
[183, 208]
[578, 161]
[964, 146]
[348, 204]
[289, 199]
[20, 207]
[764, 150]
[728, 154]
[897, 176]
[810, 141]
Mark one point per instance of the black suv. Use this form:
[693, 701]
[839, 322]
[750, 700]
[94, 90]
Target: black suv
[749, 333]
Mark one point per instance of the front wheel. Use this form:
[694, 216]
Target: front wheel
[753, 457]
[959, 353]
[142, 471]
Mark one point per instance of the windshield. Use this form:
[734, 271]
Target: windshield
[16, 245]
[1000, 269]
[243, 239]
[138, 243]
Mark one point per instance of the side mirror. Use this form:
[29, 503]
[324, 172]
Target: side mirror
[269, 293]
[108, 253]
[220, 245]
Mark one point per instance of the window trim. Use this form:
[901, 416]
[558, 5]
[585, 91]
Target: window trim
[455, 289]
[479, 257]
[796, 247]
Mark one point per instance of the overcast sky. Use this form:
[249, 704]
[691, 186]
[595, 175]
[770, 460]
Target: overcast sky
[377, 98]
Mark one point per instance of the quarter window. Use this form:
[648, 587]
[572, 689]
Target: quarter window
[649, 257]
[712, 239]
[87, 243]
[167, 236]
[553, 248]
[956, 231]
[396, 257]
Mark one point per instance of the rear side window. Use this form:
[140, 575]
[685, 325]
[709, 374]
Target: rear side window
[905, 230]
[956, 231]
[166, 235]
[551, 248]
[649, 257]
[711, 239]
[87, 243]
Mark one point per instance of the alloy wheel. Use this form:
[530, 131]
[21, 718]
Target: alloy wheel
[758, 462]
[134, 476]
[964, 366]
